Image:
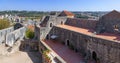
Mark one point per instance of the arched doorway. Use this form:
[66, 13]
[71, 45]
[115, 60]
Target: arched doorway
[68, 43]
[51, 24]
[61, 22]
[94, 55]
[47, 37]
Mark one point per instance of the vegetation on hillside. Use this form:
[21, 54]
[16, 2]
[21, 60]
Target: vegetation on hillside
[35, 14]
[81, 16]
[4, 23]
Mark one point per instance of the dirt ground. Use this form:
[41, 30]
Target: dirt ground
[21, 57]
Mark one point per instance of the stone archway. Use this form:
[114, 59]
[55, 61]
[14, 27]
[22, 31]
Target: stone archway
[47, 37]
[68, 43]
[51, 24]
[61, 22]
[94, 55]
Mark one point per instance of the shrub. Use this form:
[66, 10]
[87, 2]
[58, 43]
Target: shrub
[4, 23]
[30, 34]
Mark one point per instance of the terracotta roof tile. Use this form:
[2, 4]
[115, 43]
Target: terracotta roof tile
[31, 27]
[107, 36]
[66, 13]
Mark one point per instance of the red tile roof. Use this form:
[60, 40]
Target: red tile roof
[106, 36]
[66, 13]
[31, 27]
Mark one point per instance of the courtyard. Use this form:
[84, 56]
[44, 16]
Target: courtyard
[67, 54]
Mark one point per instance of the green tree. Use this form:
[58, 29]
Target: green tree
[30, 34]
[4, 23]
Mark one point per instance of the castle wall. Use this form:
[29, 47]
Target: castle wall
[3, 33]
[106, 51]
[82, 23]
[109, 23]
[12, 37]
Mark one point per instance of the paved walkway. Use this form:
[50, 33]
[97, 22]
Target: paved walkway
[20, 57]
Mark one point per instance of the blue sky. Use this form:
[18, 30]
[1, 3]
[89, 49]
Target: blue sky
[59, 5]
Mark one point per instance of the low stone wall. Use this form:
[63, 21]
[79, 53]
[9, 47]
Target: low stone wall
[4, 32]
[29, 45]
[11, 38]
[105, 51]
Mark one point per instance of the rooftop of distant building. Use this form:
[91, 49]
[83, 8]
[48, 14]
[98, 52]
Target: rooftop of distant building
[66, 13]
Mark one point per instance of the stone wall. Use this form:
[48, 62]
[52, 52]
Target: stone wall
[37, 33]
[106, 51]
[110, 22]
[4, 32]
[82, 23]
[8, 37]
[12, 37]
[110, 26]
[29, 45]
[53, 20]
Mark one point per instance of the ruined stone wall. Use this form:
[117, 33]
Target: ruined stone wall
[56, 20]
[83, 23]
[30, 44]
[52, 22]
[106, 51]
[4, 32]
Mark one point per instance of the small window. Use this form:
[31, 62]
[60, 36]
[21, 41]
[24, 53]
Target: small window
[116, 26]
[51, 25]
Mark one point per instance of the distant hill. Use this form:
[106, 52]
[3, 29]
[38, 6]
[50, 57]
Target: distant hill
[25, 13]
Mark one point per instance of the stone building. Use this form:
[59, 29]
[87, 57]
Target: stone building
[52, 20]
[98, 40]
[109, 22]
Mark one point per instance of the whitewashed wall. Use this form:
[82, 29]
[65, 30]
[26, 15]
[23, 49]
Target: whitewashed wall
[4, 32]
[12, 37]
